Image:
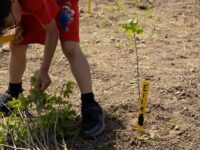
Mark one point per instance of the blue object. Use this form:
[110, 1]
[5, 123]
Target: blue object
[64, 18]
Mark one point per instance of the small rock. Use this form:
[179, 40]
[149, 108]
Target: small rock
[158, 50]
[192, 70]
[153, 135]
[177, 93]
[142, 6]
[113, 39]
[175, 132]
[172, 127]
[179, 133]
[183, 93]
[5, 48]
[131, 109]
[173, 64]
[148, 110]
[151, 1]
[82, 11]
[176, 128]
[137, 38]
[133, 141]
[98, 41]
[97, 26]
[130, 50]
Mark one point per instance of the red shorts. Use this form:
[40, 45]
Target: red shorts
[34, 33]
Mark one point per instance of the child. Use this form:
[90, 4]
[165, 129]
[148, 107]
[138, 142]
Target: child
[38, 21]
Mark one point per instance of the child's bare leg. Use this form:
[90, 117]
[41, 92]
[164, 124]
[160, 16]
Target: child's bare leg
[79, 65]
[17, 67]
[93, 118]
[17, 64]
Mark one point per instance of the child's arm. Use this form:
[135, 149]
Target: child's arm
[52, 33]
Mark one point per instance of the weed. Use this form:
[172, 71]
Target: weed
[51, 123]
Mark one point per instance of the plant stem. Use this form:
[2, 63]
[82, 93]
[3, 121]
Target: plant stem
[137, 61]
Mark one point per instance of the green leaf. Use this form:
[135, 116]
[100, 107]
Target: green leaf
[68, 89]
[140, 31]
[129, 33]
[132, 27]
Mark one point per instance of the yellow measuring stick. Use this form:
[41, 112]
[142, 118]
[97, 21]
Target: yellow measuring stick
[143, 105]
[89, 6]
[6, 39]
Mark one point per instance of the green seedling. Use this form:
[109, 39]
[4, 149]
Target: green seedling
[133, 29]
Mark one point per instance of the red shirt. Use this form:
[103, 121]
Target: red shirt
[38, 12]
[43, 10]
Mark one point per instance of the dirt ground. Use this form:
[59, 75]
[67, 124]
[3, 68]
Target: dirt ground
[169, 51]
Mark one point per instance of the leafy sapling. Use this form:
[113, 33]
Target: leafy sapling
[133, 29]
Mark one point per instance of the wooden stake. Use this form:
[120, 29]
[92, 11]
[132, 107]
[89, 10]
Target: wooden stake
[143, 105]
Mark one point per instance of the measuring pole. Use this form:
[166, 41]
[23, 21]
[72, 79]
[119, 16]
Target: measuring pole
[143, 105]
[89, 6]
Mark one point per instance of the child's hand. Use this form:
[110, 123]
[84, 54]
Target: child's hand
[18, 38]
[43, 80]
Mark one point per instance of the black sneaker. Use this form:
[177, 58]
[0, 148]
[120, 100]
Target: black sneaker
[4, 98]
[93, 120]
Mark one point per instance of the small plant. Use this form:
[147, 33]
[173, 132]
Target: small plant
[132, 29]
[51, 122]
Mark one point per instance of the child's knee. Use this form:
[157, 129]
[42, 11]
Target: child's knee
[71, 49]
[18, 50]
[69, 52]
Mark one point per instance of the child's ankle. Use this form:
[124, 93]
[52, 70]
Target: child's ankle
[14, 89]
[87, 99]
